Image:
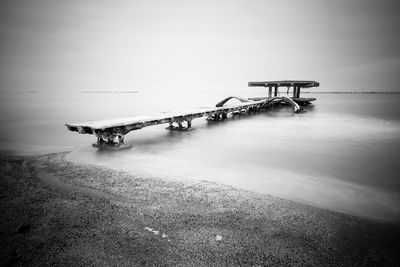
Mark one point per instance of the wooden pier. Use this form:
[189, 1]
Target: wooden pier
[110, 133]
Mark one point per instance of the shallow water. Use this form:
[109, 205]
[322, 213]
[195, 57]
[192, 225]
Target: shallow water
[341, 154]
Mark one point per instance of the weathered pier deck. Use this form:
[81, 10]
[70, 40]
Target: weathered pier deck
[110, 133]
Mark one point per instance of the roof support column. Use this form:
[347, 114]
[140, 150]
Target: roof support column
[276, 90]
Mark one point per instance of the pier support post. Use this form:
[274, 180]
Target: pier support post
[100, 140]
[120, 139]
[296, 91]
[180, 125]
[276, 91]
[217, 116]
[110, 137]
[213, 117]
[107, 140]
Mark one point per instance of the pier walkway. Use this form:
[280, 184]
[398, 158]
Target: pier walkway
[110, 133]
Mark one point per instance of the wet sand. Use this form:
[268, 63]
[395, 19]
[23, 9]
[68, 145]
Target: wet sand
[55, 212]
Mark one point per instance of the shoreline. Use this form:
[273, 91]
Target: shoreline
[56, 212]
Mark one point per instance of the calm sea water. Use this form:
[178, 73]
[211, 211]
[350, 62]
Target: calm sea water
[342, 154]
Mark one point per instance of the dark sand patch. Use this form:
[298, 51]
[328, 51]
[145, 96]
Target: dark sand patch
[60, 213]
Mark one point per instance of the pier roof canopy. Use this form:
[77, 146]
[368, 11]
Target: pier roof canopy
[285, 83]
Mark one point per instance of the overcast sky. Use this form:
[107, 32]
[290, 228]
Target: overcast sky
[208, 44]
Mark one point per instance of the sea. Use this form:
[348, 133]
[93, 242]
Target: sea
[342, 153]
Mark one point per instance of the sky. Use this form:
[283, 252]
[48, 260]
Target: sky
[85, 45]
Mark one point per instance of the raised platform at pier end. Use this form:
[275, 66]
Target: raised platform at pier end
[295, 84]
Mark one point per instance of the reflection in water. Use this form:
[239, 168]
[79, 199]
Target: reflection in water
[340, 154]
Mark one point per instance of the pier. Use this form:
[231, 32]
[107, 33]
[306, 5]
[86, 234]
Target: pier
[111, 133]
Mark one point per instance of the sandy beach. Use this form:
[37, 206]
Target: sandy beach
[55, 212]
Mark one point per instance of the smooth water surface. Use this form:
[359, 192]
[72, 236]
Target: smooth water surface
[341, 154]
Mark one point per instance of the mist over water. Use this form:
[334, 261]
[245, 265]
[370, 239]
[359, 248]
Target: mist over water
[341, 154]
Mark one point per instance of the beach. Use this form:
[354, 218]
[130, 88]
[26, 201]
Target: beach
[56, 212]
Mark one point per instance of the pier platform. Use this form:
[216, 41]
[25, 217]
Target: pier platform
[296, 85]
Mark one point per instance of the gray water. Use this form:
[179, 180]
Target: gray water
[341, 154]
